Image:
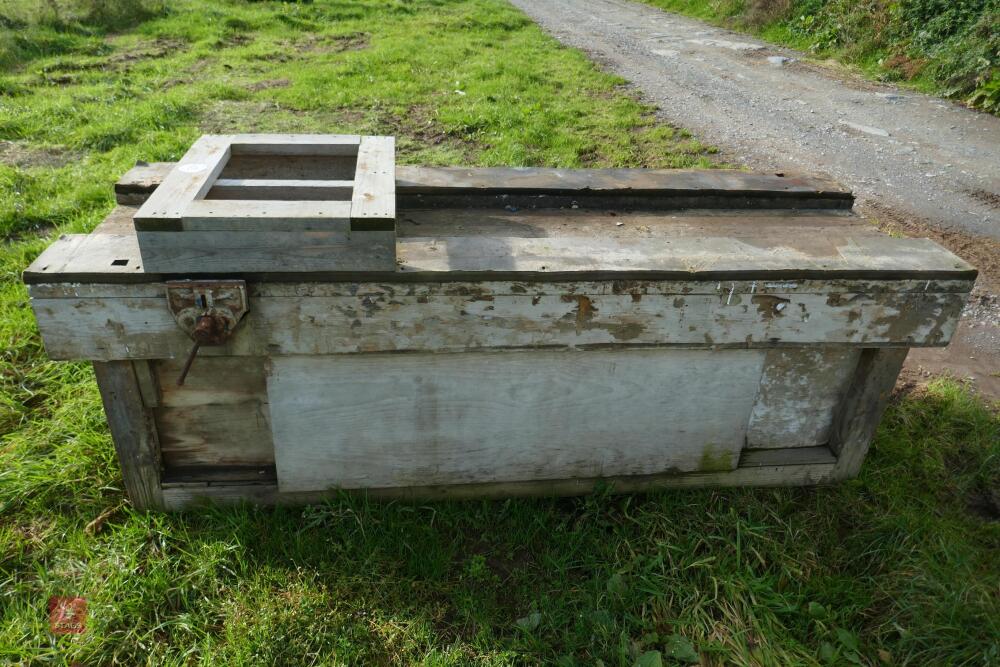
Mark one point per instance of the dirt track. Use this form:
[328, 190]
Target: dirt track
[918, 164]
[919, 154]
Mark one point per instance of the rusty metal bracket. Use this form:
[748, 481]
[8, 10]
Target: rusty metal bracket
[225, 301]
[208, 311]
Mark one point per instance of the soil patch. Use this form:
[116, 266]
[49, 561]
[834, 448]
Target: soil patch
[271, 83]
[18, 155]
[331, 43]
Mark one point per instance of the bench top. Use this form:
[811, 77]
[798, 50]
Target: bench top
[553, 224]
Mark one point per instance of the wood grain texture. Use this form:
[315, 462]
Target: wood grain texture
[641, 189]
[264, 216]
[149, 384]
[215, 252]
[568, 256]
[369, 421]
[90, 258]
[220, 417]
[455, 317]
[182, 495]
[132, 431]
[190, 179]
[834, 289]
[374, 199]
[789, 456]
[541, 180]
[861, 411]
[295, 144]
[281, 189]
[416, 180]
[215, 434]
[799, 392]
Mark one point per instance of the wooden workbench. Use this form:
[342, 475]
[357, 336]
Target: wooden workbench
[542, 330]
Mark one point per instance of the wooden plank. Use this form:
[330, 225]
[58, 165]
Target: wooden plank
[211, 253]
[799, 392]
[226, 474]
[215, 434]
[295, 144]
[809, 232]
[790, 456]
[212, 380]
[135, 186]
[460, 258]
[181, 496]
[149, 386]
[374, 199]
[229, 215]
[362, 421]
[220, 417]
[91, 258]
[416, 180]
[540, 180]
[132, 431]
[640, 288]
[280, 189]
[466, 316]
[299, 167]
[670, 189]
[862, 409]
[190, 179]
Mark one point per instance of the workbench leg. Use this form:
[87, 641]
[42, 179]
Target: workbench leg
[133, 431]
[863, 406]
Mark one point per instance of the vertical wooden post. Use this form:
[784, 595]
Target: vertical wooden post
[863, 406]
[133, 432]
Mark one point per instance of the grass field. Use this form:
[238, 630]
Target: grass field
[897, 567]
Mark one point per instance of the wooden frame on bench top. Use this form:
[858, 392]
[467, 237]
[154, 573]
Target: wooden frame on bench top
[368, 202]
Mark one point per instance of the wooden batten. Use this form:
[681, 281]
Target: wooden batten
[373, 203]
[281, 189]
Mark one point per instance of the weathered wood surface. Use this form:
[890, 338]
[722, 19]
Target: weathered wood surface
[93, 257]
[149, 383]
[229, 215]
[861, 410]
[220, 252]
[302, 167]
[132, 431]
[220, 417]
[799, 392]
[370, 421]
[654, 189]
[454, 317]
[190, 179]
[281, 189]
[790, 456]
[541, 180]
[835, 288]
[698, 185]
[184, 495]
[772, 227]
[285, 145]
[373, 202]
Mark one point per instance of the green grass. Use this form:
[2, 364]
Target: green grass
[945, 47]
[898, 567]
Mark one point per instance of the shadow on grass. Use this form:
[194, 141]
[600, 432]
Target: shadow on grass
[899, 564]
